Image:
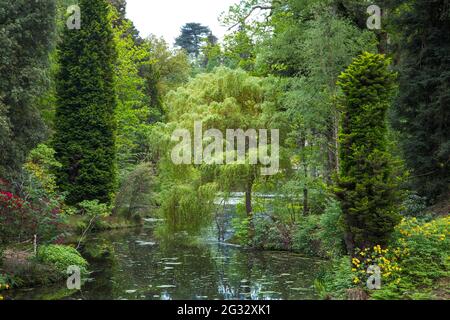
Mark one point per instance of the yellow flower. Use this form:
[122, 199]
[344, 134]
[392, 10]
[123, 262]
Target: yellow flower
[1, 298]
[356, 280]
[7, 286]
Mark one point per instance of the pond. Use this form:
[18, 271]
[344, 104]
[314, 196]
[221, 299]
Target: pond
[134, 264]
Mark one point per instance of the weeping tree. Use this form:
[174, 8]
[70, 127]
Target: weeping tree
[207, 109]
[366, 187]
[26, 36]
[86, 101]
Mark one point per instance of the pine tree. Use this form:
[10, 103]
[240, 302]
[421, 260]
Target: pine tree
[85, 117]
[366, 183]
[192, 36]
[422, 112]
[27, 31]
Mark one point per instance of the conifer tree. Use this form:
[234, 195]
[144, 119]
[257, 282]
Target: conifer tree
[421, 112]
[85, 117]
[366, 183]
[27, 31]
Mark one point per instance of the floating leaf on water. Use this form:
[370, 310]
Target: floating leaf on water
[172, 263]
[285, 275]
[166, 286]
[130, 291]
[145, 243]
[299, 289]
[168, 268]
[289, 282]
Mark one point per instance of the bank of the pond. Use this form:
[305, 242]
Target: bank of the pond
[134, 264]
[22, 268]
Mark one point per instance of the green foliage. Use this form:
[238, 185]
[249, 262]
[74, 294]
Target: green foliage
[26, 36]
[93, 208]
[414, 206]
[62, 257]
[335, 279]
[239, 51]
[367, 186]
[421, 112]
[133, 111]
[6, 282]
[241, 232]
[305, 236]
[135, 196]
[224, 99]
[187, 208]
[414, 265]
[425, 260]
[41, 166]
[85, 118]
[331, 231]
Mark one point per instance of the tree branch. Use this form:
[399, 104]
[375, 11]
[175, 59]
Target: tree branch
[253, 9]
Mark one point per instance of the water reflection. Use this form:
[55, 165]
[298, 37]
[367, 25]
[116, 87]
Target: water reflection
[136, 265]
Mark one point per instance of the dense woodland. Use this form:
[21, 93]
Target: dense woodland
[87, 116]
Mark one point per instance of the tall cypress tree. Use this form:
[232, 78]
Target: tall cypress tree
[366, 183]
[27, 31]
[85, 119]
[422, 112]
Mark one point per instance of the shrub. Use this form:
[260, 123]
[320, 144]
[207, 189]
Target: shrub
[414, 206]
[424, 248]
[41, 166]
[6, 282]
[20, 220]
[62, 257]
[331, 233]
[241, 230]
[270, 235]
[335, 279]
[135, 195]
[305, 236]
[93, 208]
[411, 266]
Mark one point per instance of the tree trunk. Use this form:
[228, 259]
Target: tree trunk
[305, 202]
[249, 209]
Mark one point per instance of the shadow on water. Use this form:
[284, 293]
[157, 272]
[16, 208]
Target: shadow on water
[133, 264]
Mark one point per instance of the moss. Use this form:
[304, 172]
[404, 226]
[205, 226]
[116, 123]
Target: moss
[61, 257]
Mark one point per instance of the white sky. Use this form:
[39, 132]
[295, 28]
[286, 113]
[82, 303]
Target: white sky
[166, 17]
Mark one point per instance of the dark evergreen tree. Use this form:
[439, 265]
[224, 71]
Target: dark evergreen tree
[85, 120]
[366, 184]
[192, 36]
[26, 38]
[422, 111]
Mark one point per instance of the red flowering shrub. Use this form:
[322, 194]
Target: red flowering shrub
[14, 217]
[21, 220]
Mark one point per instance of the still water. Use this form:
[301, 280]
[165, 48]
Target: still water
[134, 264]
